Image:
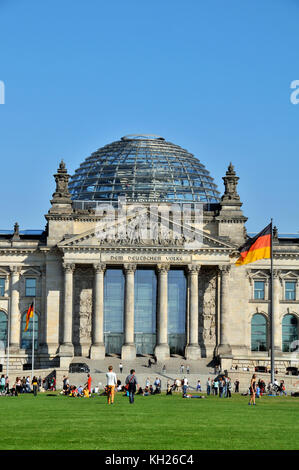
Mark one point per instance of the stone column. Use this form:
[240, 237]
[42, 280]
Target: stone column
[276, 313]
[192, 349]
[97, 350]
[128, 351]
[67, 348]
[162, 351]
[15, 317]
[224, 348]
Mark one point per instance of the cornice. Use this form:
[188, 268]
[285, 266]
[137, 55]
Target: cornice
[137, 249]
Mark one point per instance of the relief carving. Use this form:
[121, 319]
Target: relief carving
[83, 302]
[207, 306]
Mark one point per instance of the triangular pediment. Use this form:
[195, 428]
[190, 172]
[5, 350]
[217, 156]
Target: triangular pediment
[31, 272]
[126, 233]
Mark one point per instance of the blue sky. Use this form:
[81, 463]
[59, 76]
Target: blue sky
[213, 77]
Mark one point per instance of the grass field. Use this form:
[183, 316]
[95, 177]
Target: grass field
[54, 422]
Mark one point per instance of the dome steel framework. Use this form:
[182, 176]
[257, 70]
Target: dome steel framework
[143, 168]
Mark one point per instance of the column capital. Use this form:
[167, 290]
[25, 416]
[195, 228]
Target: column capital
[162, 268]
[129, 268]
[276, 273]
[15, 269]
[224, 269]
[193, 269]
[68, 267]
[99, 268]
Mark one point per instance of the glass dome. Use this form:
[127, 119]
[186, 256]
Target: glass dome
[143, 168]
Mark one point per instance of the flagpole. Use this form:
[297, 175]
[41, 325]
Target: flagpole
[32, 365]
[8, 338]
[272, 312]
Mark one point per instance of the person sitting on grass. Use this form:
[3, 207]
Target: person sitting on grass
[151, 389]
[86, 393]
[169, 388]
[80, 391]
[146, 392]
[13, 391]
[157, 384]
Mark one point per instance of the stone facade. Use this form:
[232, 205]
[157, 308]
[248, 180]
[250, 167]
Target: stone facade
[68, 262]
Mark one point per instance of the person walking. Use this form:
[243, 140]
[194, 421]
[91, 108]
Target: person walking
[237, 384]
[132, 383]
[34, 386]
[185, 386]
[2, 383]
[209, 386]
[88, 383]
[120, 368]
[220, 388]
[252, 389]
[216, 386]
[111, 383]
[182, 368]
[188, 369]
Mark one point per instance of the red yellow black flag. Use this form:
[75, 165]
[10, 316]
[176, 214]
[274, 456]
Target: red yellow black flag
[29, 315]
[258, 247]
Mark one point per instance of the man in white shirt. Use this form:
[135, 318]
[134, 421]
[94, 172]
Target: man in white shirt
[111, 382]
[185, 386]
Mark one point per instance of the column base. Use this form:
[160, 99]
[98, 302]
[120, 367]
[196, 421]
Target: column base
[97, 351]
[192, 352]
[14, 349]
[226, 363]
[224, 350]
[162, 352]
[128, 352]
[66, 350]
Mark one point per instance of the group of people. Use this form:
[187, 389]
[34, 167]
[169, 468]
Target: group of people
[258, 387]
[74, 391]
[221, 386]
[26, 385]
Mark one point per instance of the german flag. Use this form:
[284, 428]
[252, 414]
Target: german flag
[28, 316]
[258, 247]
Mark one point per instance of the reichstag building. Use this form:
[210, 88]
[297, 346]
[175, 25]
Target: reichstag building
[138, 258]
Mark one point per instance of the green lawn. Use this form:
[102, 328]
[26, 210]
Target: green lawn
[52, 421]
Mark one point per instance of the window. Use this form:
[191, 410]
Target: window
[259, 290]
[26, 336]
[3, 330]
[289, 333]
[290, 290]
[2, 287]
[258, 333]
[30, 287]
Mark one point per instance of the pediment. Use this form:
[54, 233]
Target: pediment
[119, 234]
[290, 275]
[31, 272]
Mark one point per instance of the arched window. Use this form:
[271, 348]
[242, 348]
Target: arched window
[258, 333]
[289, 332]
[3, 330]
[26, 336]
